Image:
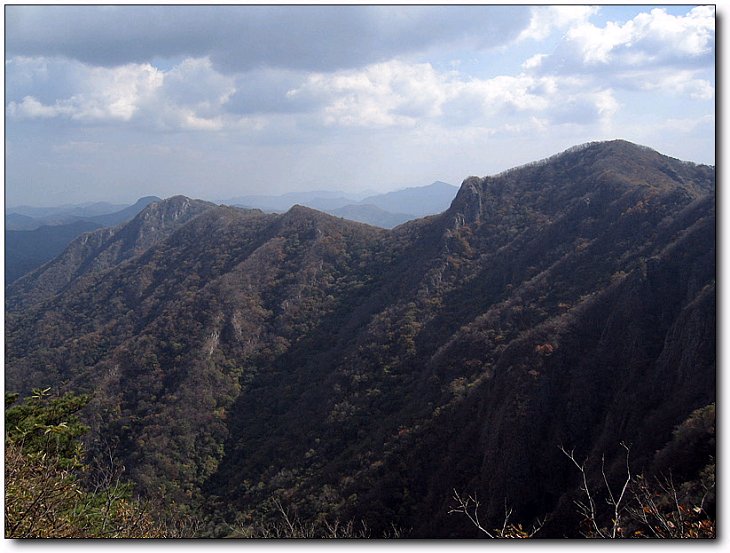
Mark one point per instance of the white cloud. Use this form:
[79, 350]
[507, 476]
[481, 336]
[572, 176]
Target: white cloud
[30, 108]
[189, 96]
[545, 19]
[379, 95]
[399, 94]
[649, 40]
[117, 93]
[699, 89]
[194, 83]
[533, 62]
[692, 35]
[103, 95]
[575, 85]
[654, 51]
[605, 103]
[23, 70]
[679, 82]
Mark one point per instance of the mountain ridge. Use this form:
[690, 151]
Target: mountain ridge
[385, 210]
[96, 250]
[363, 373]
[26, 250]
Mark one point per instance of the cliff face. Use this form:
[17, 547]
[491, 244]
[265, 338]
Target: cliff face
[362, 373]
[627, 362]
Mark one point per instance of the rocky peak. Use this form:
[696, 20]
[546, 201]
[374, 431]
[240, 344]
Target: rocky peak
[551, 185]
[99, 250]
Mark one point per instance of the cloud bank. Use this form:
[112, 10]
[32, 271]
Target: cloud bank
[241, 38]
[275, 53]
[425, 78]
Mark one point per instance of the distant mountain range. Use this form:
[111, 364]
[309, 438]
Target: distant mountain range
[371, 215]
[239, 359]
[35, 235]
[50, 230]
[26, 250]
[102, 213]
[316, 199]
[418, 201]
[382, 210]
[63, 213]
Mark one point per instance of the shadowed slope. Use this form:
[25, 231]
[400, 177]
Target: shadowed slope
[358, 372]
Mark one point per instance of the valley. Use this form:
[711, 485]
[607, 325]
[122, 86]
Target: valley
[236, 357]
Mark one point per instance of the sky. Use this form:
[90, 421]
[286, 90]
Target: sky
[111, 103]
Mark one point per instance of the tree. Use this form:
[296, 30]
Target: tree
[284, 524]
[641, 507]
[50, 492]
[638, 507]
[469, 506]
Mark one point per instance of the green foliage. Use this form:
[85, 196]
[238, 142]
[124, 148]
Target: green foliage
[50, 492]
[44, 425]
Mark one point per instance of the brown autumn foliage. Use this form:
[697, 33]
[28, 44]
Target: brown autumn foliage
[363, 374]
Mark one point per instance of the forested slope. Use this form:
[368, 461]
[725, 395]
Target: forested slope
[358, 373]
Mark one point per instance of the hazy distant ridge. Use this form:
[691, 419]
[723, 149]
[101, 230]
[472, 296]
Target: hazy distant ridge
[39, 240]
[383, 210]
